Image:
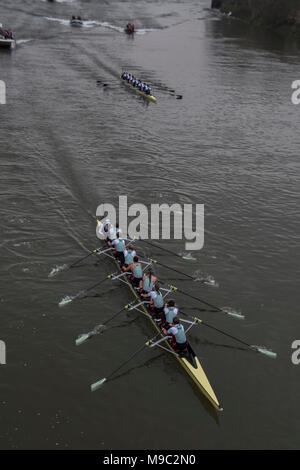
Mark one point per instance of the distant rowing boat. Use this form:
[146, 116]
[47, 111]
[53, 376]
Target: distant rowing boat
[129, 28]
[139, 92]
[76, 22]
[6, 39]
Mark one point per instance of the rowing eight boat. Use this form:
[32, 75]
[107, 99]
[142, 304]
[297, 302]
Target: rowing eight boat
[186, 359]
[189, 361]
[139, 92]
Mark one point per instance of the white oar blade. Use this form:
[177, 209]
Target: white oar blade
[266, 352]
[95, 386]
[236, 315]
[82, 339]
[65, 301]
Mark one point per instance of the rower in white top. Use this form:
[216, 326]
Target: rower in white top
[169, 313]
[129, 254]
[108, 231]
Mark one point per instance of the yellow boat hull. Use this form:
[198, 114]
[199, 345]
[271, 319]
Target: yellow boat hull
[139, 92]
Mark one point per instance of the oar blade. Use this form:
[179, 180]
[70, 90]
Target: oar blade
[65, 301]
[237, 315]
[266, 352]
[95, 386]
[82, 339]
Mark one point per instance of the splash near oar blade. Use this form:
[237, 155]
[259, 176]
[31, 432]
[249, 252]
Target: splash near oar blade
[219, 309]
[66, 267]
[99, 383]
[58, 269]
[82, 338]
[65, 301]
[69, 299]
[261, 350]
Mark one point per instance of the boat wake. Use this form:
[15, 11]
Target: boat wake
[60, 1]
[58, 20]
[106, 25]
[94, 23]
[144, 31]
[206, 279]
[23, 41]
[85, 23]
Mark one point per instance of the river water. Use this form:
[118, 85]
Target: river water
[72, 137]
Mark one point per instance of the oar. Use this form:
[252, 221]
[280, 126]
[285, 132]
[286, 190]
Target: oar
[165, 249]
[261, 350]
[101, 382]
[222, 310]
[55, 271]
[154, 261]
[97, 328]
[93, 252]
[68, 300]
[67, 267]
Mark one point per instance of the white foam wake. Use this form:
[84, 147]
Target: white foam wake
[23, 41]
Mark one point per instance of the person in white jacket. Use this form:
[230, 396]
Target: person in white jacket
[108, 231]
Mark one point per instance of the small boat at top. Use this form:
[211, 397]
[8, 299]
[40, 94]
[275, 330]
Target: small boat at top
[6, 38]
[129, 28]
[76, 21]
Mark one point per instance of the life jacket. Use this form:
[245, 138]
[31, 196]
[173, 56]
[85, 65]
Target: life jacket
[129, 257]
[170, 314]
[120, 245]
[180, 337]
[158, 300]
[137, 271]
[147, 284]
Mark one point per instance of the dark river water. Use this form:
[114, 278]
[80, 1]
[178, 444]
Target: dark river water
[72, 137]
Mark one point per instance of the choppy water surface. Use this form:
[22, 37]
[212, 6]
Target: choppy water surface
[68, 143]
